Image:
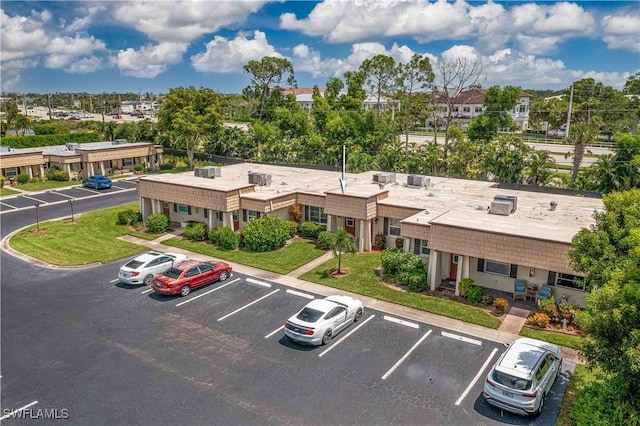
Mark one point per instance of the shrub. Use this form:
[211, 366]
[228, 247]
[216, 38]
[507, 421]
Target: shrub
[139, 168]
[196, 231]
[475, 293]
[293, 228]
[36, 179]
[311, 229]
[295, 212]
[392, 260]
[548, 306]
[2, 179]
[54, 173]
[214, 236]
[23, 178]
[380, 241]
[326, 240]
[464, 285]
[399, 242]
[181, 164]
[501, 304]
[539, 319]
[416, 281]
[229, 239]
[157, 223]
[129, 217]
[265, 233]
[487, 299]
[166, 166]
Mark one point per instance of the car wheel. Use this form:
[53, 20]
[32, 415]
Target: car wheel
[539, 410]
[358, 316]
[327, 337]
[148, 279]
[185, 290]
[223, 275]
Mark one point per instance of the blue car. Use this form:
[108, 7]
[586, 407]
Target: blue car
[97, 182]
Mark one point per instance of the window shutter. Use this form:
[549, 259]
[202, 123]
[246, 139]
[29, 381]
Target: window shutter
[416, 246]
[306, 212]
[480, 265]
[514, 271]
[386, 225]
[175, 207]
[189, 210]
[244, 215]
[551, 278]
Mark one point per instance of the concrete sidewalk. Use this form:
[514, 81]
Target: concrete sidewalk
[507, 333]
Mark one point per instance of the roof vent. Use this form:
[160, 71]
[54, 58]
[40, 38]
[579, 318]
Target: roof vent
[119, 141]
[418, 181]
[72, 146]
[384, 178]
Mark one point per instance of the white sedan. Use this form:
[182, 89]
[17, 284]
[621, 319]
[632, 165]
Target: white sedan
[144, 268]
[321, 319]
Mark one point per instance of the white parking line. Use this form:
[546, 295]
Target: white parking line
[402, 322]
[478, 375]
[252, 281]
[405, 356]
[274, 332]
[346, 335]
[14, 412]
[461, 338]
[36, 199]
[249, 304]
[57, 191]
[301, 294]
[115, 281]
[210, 291]
[9, 205]
[147, 291]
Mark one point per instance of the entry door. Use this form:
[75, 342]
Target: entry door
[453, 266]
[236, 221]
[165, 209]
[350, 225]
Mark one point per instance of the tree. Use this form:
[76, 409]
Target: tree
[453, 77]
[190, 117]
[380, 78]
[23, 123]
[608, 255]
[505, 158]
[496, 114]
[632, 91]
[415, 79]
[620, 171]
[344, 243]
[267, 74]
[538, 168]
[580, 135]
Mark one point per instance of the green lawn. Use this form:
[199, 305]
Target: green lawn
[91, 238]
[283, 261]
[362, 279]
[563, 339]
[47, 184]
[7, 191]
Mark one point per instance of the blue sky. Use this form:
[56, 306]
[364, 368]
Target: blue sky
[152, 46]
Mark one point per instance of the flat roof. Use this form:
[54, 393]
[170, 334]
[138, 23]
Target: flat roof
[63, 150]
[446, 201]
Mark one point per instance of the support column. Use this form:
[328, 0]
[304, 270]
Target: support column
[227, 219]
[406, 244]
[211, 218]
[41, 171]
[365, 226]
[68, 167]
[91, 169]
[432, 270]
[102, 167]
[459, 275]
[30, 173]
[330, 223]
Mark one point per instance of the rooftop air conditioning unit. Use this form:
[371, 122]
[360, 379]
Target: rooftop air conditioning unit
[418, 181]
[72, 146]
[508, 198]
[217, 171]
[502, 208]
[5, 148]
[207, 172]
[260, 179]
[197, 171]
[384, 177]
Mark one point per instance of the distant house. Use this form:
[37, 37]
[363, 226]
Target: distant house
[304, 98]
[470, 104]
[129, 107]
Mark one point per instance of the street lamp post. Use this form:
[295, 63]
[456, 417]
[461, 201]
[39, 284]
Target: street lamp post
[71, 200]
[36, 205]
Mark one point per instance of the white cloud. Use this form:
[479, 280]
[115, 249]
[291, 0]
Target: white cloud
[182, 21]
[151, 60]
[229, 56]
[88, 16]
[622, 32]
[85, 65]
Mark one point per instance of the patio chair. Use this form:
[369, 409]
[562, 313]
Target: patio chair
[520, 290]
[544, 292]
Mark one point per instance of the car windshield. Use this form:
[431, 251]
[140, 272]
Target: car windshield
[173, 273]
[309, 315]
[134, 264]
[510, 381]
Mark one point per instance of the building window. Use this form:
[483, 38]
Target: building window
[394, 227]
[247, 215]
[11, 172]
[420, 247]
[315, 214]
[76, 166]
[206, 213]
[466, 109]
[219, 215]
[497, 268]
[182, 209]
[522, 108]
[234, 216]
[478, 110]
[350, 222]
[572, 281]
[127, 161]
[455, 109]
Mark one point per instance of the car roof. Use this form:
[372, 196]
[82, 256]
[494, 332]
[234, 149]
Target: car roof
[523, 356]
[322, 305]
[150, 255]
[189, 263]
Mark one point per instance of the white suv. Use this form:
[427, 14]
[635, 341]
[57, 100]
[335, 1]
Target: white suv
[144, 268]
[523, 376]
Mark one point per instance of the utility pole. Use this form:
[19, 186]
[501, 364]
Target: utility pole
[569, 112]
[49, 104]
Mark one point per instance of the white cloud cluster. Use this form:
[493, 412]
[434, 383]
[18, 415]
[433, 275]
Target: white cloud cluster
[149, 61]
[622, 32]
[229, 56]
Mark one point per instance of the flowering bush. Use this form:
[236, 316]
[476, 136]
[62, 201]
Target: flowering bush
[539, 319]
[501, 304]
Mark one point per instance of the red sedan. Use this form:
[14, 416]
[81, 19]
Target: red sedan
[190, 274]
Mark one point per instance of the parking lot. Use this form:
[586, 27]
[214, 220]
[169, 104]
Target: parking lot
[221, 352]
[62, 195]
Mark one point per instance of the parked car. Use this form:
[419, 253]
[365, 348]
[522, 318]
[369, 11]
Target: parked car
[321, 319]
[97, 182]
[144, 268]
[523, 375]
[182, 277]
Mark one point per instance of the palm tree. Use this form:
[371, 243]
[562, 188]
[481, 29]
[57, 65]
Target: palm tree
[580, 135]
[344, 243]
[23, 123]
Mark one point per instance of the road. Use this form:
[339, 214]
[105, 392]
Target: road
[100, 352]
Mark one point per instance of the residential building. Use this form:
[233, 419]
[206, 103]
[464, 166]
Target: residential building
[129, 107]
[304, 98]
[80, 160]
[460, 228]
